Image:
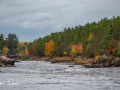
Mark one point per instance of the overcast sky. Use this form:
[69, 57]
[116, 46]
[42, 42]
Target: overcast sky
[31, 19]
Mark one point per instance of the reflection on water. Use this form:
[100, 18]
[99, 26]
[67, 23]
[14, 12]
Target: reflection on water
[40, 75]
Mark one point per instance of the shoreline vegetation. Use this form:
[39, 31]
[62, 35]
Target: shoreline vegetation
[95, 44]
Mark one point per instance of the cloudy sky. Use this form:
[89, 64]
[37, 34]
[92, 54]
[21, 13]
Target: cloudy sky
[31, 19]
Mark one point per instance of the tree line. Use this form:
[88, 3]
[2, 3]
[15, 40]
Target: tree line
[89, 40]
[8, 45]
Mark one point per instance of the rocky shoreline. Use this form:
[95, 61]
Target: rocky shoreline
[85, 62]
[6, 62]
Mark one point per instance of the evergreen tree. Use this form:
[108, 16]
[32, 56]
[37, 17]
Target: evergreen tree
[12, 43]
[1, 42]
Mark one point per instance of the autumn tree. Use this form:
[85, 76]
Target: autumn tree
[111, 48]
[23, 50]
[73, 50]
[76, 49]
[65, 53]
[5, 50]
[95, 38]
[30, 52]
[33, 50]
[90, 37]
[50, 48]
[79, 48]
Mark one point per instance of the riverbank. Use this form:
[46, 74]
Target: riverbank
[85, 62]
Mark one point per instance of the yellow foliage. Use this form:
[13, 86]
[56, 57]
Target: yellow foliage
[24, 51]
[73, 52]
[49, 48]
[22, 43]
[5, 50]
[90, 37]
[65, 53]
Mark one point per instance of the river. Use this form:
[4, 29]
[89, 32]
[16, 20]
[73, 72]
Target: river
[40, 75]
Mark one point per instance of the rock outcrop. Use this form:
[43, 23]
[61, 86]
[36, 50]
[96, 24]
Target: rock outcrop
[6, 62]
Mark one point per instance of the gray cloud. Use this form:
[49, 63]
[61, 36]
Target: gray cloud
[31, 19]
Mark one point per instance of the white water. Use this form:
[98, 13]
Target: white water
[39, 75]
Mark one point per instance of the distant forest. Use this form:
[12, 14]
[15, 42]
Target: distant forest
[89, 40]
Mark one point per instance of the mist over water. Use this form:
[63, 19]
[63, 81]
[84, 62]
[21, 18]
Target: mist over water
[40, 75]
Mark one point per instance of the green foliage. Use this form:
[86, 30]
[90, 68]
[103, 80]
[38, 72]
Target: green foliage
[12, 42]
[118, 52]
[94, 36]
[0, 51]
[1, 41]
[89, 51]
[108, 36]
[23, 50]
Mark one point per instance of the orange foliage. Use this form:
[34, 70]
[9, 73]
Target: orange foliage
[112, 46]
[34, 49]
[30, 51]
[97, 58]
[79, 48]
[49, 48]
[75, 49]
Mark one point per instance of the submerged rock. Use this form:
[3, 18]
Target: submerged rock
[70, 66]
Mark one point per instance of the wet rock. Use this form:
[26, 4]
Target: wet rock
[93, 65]
[70, 66]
